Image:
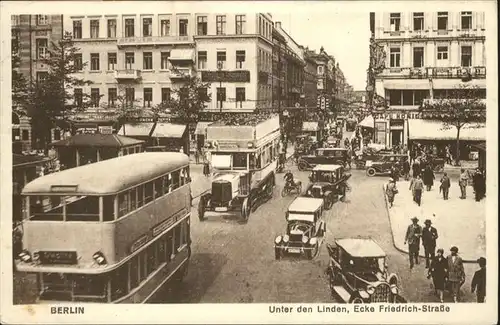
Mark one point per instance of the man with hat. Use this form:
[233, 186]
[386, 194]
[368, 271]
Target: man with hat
[456, 273]
[478, 283]
[429, 236]
[413, 234]
[391, 191]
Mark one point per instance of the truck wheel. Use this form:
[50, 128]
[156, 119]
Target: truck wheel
[302, 166]
[245, 209]
[201, 209]
[371, 172]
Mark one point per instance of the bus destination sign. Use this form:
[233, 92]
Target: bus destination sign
[58, 257]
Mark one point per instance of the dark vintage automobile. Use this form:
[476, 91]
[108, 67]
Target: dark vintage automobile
[368, 155]
[324, 156]
[357, 273]
[328, 182]
[305, 229]
[382, 165]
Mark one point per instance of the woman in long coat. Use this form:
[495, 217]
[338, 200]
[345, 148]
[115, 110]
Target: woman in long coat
[438, 270]
[428, 177]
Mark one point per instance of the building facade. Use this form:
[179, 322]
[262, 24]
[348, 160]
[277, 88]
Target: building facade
[426, 55]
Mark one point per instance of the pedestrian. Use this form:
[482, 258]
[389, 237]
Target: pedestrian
[197, 155]
[412, 237]
[428, 177]
[462, 182]
[417, 186]
[448, 155]
[391, 191]
[478, 283]
[479, 184]
[416, 167]
[429, 236]
[445, 186]
[406, 169]
[456, 273]
[438, 271]
[206, 166]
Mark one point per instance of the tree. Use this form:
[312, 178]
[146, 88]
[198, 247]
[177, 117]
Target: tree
[457, 108]
[19, 84]
[52, 102]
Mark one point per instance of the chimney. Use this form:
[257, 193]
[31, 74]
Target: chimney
[277, 24]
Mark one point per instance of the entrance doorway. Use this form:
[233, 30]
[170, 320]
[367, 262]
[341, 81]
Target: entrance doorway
[396, 137]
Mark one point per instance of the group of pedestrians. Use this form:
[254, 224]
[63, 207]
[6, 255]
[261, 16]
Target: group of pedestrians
[446, 272]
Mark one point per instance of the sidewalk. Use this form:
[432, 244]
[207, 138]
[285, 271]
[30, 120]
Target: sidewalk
[459, 222]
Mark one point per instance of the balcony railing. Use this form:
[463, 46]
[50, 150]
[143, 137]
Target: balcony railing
[435, 72]
[180, 73]
[127, 74]
[436, 101]
[153, 40]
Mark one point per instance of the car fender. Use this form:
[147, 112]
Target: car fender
[393, 279]
[327, 193]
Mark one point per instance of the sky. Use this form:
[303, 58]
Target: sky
[345, 36]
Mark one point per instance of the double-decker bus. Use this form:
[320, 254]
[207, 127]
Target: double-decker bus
[115, 231]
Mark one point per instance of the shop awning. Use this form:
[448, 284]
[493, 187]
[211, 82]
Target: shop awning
[310, 126]
[139, 129]
[367, 122]
[403, 84]
[97, 140]
[182, 55]
[419, 129]
[168, 130]
[201, 128]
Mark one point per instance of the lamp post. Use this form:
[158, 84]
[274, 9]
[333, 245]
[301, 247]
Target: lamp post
[219, 69]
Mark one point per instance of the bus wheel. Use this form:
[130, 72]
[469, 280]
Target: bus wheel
[201, 209]
[245, 209]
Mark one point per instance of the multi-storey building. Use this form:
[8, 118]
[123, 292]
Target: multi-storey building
[144, 57]
[310, 79]
[32, 36]
[427, 54]
[324, 76]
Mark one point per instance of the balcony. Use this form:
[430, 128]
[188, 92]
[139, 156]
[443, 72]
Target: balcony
[127, 74]
[180, 73]
[153, 40]
[434, 72]
[436, 101]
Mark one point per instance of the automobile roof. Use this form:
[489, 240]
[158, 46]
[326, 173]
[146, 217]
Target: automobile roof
[305, 204]
[361, 247]
[327, 168]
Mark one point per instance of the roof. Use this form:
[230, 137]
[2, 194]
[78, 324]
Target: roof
[305, 204]
[136, 129]
[420, 129]
[110, 176]
[97, 140]
[310, 126]
[361, 247]
[22, 160]
[168, 130]
[328, 168]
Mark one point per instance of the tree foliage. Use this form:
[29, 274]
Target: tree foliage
[188, 102]
[19, 85]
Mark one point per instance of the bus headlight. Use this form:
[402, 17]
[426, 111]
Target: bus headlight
[25, 256]
[370, 290]
[278, 240]
[99, 258]
[313, 241]
[286, 238]
[305, 239]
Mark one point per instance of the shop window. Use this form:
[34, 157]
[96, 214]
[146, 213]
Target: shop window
[395, 97]
[407, 97]
[119, 283]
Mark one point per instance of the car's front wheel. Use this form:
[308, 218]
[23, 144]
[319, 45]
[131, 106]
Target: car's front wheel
[201, 209]
[371, 172]
[356, 300]
[302, 165]
[245, 209]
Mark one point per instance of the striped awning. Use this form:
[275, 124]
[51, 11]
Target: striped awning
[410, 84]
[419, 129]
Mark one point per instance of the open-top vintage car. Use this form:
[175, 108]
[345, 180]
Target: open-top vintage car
[358, 272]
[324, 156]
[328, 182]
[383, 164]
[305, 229]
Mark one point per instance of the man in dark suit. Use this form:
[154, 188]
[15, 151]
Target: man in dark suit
[413, 234]
[478, 283]
[456, 273]
[429, 236]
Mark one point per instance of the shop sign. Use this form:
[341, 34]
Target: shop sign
[86, 130]
[164, 225]
[226, 76]
[106, 129]
[58, 257]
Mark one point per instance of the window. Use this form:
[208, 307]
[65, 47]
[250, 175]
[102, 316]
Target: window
[202, 59]
[466, 56]
[25, 135]
[183, 27]
[159, 190]
[240, 96]
[442, 20]
[129, 27]
[129, 60]
[147, 27]
[94, 97]
[119, 283]
[41, 76]
[395, 57]
[442, 53]
[240, 24]
[203, 93]
[134, 272]
[112, 61]
[320, 69]
[148, 97]
[165, 95]
[395, 20]
[164, 27]
[466, 20]
[164, 60]
[112, 97]
[418, 57]
[419, 96]
[94, 28]
[112, 28]
[221, 24]
[176, 179]
[221, 59]
[77, 29]
[140, 196]
[221, 97]
[129, 95]
[147, 59]
[394, 97]
[41, 47]
[407, 97]
[148, 192]
[78, 61]
[240, 59]
[202, 25]
[78, 95]
[42, 20]
[418, 21]
[94, 61]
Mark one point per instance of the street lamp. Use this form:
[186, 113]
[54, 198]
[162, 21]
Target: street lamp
[219, 69]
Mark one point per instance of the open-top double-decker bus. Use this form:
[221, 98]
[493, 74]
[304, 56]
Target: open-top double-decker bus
[111, 232]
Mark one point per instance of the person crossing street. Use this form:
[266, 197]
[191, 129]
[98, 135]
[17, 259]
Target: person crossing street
[429, 236]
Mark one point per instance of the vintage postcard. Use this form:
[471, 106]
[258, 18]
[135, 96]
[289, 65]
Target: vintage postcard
[249, 162]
